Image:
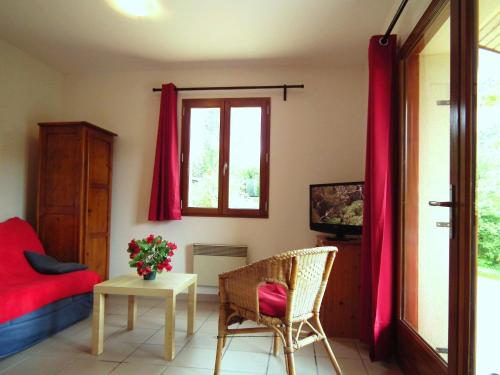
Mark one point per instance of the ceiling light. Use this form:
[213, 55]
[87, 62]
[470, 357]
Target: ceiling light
[137, 8]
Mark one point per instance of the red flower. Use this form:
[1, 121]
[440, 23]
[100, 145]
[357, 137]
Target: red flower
[160, 266]
[133, 246]
[170, 253]
[169, 267]
[132, 256]
[150, 238]
[172, 245]
[139, 264]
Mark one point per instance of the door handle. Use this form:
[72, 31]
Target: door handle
[440, 204]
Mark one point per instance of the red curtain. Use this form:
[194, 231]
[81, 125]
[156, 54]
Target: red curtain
[165, 201]
[377, 257]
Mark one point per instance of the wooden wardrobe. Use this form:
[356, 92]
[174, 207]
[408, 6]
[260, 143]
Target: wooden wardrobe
[74, 193]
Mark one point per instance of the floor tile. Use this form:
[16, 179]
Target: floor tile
[150, 320]
[137, 368]
[86, 367]
[303, 365]
[257, 344]
[142, 351]
[255, 363]
[158, 338]
[348, 366]
[137, 335]
[121, 307]
[187, 371]
[382, 368]
[75, 329]
[12, 360]
[364, 350]
[203, 340]
[150, 354]
[210, 327]
[114, 350]
[195, 357]
[39, 365]
[342, 348]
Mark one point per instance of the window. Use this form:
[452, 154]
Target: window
[225, 157]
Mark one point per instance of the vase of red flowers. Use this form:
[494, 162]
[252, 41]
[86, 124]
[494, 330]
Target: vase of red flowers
[151, 255]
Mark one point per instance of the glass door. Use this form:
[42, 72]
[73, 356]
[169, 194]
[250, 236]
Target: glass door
[426, 200]
[488, 189]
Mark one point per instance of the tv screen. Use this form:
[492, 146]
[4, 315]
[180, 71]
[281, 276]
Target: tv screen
[337, 208]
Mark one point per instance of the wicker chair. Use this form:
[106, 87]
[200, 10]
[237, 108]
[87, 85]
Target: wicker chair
[304, 273]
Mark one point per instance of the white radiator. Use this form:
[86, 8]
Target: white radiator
[211, 260]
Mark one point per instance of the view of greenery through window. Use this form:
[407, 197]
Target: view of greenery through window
[244, 148]
[244, 165]
[204, 158]
[488, 212]
[488, 162]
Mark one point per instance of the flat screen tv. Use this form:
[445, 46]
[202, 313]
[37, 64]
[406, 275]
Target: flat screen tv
[337, 208]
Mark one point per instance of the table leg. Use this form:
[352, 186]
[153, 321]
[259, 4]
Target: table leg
[132, 312]
[98, 324]
[191, 308]
[170, 328]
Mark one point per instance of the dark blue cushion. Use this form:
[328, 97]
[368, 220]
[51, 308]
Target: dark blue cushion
[48, 265]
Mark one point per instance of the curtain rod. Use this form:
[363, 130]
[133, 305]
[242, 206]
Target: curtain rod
[285, 87]
[383, 41]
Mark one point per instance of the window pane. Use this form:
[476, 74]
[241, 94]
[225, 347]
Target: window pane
[244, 158]
[204, 158]
[427, 178]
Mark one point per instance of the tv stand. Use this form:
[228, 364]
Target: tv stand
[340, 308]
[340, 237]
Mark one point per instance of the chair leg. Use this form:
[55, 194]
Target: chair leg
[276, 344]
[221, 338]
[332, 356]
[328, 349]
[218, 356]
[289, 351]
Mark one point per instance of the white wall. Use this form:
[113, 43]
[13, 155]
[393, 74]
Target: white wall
[29, 92]
[317, 136]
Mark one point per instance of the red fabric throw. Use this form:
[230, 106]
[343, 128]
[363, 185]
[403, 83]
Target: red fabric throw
[22, 289]
[272, 300]
[377, 259]
[165, 201]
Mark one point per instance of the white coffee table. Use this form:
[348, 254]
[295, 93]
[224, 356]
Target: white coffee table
[167, 285]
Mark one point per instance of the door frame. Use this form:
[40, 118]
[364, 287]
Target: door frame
[414, 355]
[464, 50]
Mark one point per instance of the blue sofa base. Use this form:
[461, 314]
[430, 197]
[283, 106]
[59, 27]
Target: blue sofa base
[21, 333]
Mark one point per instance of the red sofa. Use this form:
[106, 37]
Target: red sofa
[28, 296]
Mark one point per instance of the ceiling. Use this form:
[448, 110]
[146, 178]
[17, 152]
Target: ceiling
[89, 35]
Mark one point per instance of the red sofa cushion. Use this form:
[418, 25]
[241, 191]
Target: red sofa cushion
[16, 236]
[22, 289]
[272, 300]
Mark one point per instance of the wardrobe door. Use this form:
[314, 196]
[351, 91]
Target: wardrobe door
[99, 159]
[60, 188]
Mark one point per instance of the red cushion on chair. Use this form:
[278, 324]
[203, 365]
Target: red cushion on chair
[272, 300]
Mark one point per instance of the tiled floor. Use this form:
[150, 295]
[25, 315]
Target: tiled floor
[141, 351]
